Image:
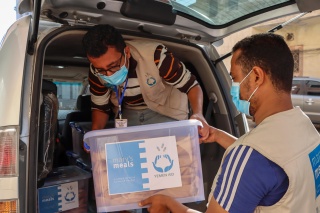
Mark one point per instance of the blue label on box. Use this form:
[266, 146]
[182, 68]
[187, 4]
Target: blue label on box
[142, 165]
[58, 198]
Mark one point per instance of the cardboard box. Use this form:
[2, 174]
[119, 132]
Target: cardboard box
[130, 164]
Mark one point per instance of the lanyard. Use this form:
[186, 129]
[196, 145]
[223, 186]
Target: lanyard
[121, 98]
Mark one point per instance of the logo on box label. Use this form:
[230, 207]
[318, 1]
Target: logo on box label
[58, 198]
[142, 165]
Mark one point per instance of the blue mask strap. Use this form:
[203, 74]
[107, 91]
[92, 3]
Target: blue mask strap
[121, 98]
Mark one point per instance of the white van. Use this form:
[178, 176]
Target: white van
[43, 73]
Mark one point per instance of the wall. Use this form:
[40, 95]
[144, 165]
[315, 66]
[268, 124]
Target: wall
[301, 35]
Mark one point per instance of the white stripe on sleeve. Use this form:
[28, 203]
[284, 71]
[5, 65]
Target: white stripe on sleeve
[236, 184]
[226, 174]
[232, 174]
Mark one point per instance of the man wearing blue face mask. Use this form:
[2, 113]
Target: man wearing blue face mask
[275, 166]
[242, 105]
[140, 81]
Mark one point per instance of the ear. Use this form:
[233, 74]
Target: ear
[127, 51]
[259, 75]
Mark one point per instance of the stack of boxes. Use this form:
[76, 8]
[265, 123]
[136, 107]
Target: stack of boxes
[65, 190]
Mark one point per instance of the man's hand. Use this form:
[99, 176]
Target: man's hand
[213, 134]
[158, 204]
[195, 97]
[203, 131]
[165, 204]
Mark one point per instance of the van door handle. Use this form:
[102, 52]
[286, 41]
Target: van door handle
[310, 101]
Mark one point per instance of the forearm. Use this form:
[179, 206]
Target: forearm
[195, 97]
[223, 138]
[99, 119]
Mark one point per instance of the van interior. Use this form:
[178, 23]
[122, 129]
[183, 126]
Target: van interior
[65, 112]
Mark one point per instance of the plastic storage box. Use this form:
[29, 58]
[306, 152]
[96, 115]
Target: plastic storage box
[79, 148]
[64, 190]
[130, 164]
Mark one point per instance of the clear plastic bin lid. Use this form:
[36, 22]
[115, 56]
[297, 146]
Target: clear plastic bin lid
[149, 127]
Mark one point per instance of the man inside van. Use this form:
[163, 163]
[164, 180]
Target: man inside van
[140, 81]
[274, 167]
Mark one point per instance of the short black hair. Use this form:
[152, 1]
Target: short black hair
[98, 38]
[269, 52]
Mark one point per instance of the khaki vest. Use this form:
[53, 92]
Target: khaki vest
[287, 138]
[158, 95]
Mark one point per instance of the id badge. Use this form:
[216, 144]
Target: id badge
[121, 123]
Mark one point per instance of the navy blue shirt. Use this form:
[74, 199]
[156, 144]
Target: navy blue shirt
[248, 180]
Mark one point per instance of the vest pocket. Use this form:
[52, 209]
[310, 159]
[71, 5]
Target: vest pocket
[178, 100]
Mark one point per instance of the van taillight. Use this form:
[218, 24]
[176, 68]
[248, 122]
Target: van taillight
[10, 206]
[9, 140]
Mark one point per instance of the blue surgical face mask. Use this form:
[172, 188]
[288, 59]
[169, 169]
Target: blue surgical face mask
[241, 105]
[117, 78]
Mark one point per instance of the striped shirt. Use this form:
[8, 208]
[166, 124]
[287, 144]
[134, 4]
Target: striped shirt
[248, 179]
[171, 69]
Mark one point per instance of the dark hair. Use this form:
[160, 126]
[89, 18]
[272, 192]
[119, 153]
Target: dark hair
[99, 37]
[269, 52]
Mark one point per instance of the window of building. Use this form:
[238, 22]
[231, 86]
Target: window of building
[295, 54]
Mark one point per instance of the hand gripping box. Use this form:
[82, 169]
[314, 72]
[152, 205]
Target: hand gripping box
[130, 164]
